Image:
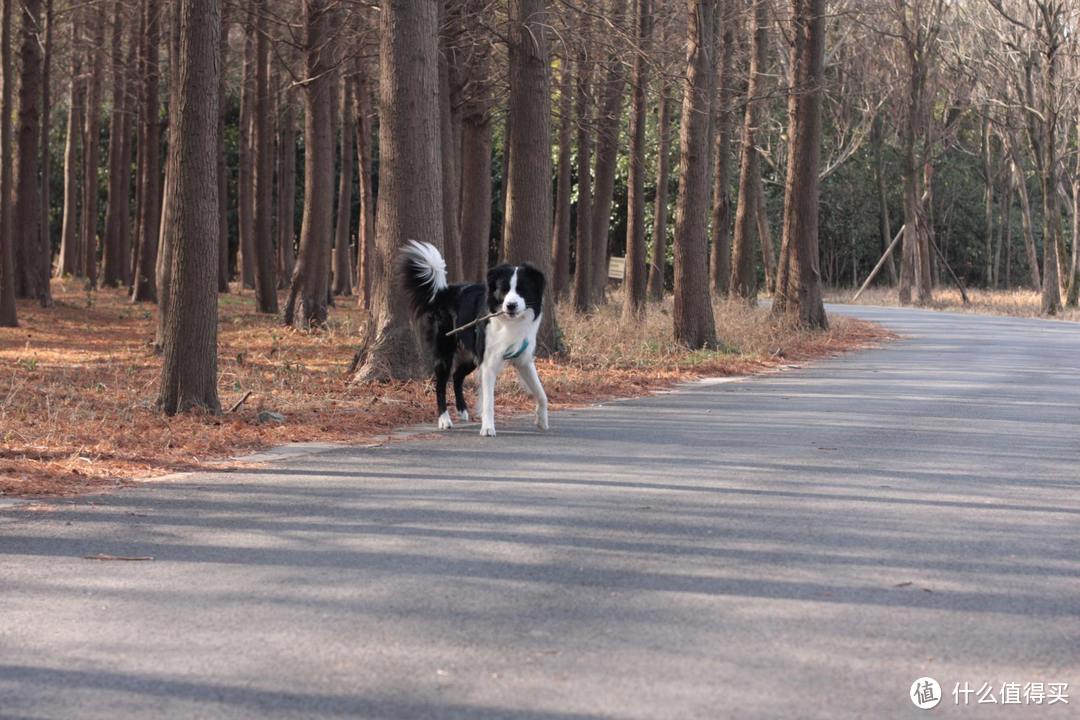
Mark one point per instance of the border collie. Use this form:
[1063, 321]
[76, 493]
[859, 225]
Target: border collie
[514, 291]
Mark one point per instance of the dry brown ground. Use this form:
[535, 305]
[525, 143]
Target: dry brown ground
[1017, 303]
[78, 382]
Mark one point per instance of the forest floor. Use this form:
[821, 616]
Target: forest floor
[78, 382]
[1014, 303]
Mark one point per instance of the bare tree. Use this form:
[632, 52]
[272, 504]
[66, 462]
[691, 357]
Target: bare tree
[286, 206]
[365, 238]
[410, 191]
[720, 258]
[8, 314]
[693, 315]
[262, 167]
[528, 193]
[189, 367]
[342, 261]
[71, 260]
[149, 220]
[33, 260]
[311, 275]
[115, 264]
[798, 285]
[743, 281]
[583, 240]
[560, 235]
[636, 275]
[658, 263]
[92, 143]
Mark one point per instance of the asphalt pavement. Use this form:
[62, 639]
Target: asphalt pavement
[802, 544]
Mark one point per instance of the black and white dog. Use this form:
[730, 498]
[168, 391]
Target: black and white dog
[514, 291]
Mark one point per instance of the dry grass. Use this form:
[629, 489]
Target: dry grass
[78, 382]
[1016, 303]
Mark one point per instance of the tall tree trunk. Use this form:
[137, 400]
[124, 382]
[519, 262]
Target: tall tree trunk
[583, 255]
[342, 260]
[189, 369]
[877, 140]
[410, 188]
[365, 238]
[116, 213]
[46, 125]
[450, 138]
[720, 257]
[262, 167]
[145, 282]
[743, 271]
[693, 315]
[8, 313]
[658, 264]
[1073, 294]
[92, 143]
[32, 258]
[988, 201]
[245, 203]
[1020, 183]
[223, 171]
[528, 193]
[764, 233]
[798, 288]
[70, 260]
[167, 241]
[311, 275]
[636, 274]
[286, 228]
[475, 190]
[608, 129]
[560, 234]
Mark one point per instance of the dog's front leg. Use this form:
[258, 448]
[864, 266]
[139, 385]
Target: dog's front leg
[531, 381]
[489, 374]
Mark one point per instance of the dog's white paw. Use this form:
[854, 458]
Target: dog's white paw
[444, 421]
[541, 418]
[463, 416]
[487, 431]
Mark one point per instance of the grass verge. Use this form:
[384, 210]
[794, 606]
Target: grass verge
[1014, 303]
[78, 382]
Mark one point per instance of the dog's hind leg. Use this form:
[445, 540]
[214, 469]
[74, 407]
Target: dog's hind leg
[442, 375]
[531, 381]
[460, 373]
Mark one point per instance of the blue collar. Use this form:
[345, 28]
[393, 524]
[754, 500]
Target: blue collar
[510, 354]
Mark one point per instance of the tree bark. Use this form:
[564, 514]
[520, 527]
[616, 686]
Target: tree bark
[145, 283]
[743, 271]
[342, 261]
[262, 166]
[528, 191]
[32, 259]
[245, 184]
[223, 171]
[114, 268]
[8, 312]
[311, 275]
[1020, 183]
[693, 315]
[885, 224]
[450, 137]
[636, 273]
[410, 189]
[608, 129]
[46, 125]
[1073, 294]
[475, 190]
[658, 264]
[189, 368]
[720, 257]
[798, 287]
[560, 234]
[173, 160]
[583, 255]
[70, 259]
[365, 239]
[286, 228]
[92, 144]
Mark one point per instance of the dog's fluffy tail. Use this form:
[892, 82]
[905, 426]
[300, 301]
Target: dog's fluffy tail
[423, 274]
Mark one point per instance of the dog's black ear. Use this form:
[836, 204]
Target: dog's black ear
[534, 277]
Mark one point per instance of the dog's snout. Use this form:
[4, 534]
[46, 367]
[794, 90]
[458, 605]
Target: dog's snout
[511, 306]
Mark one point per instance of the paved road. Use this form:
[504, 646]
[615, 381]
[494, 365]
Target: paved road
[804, 544]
